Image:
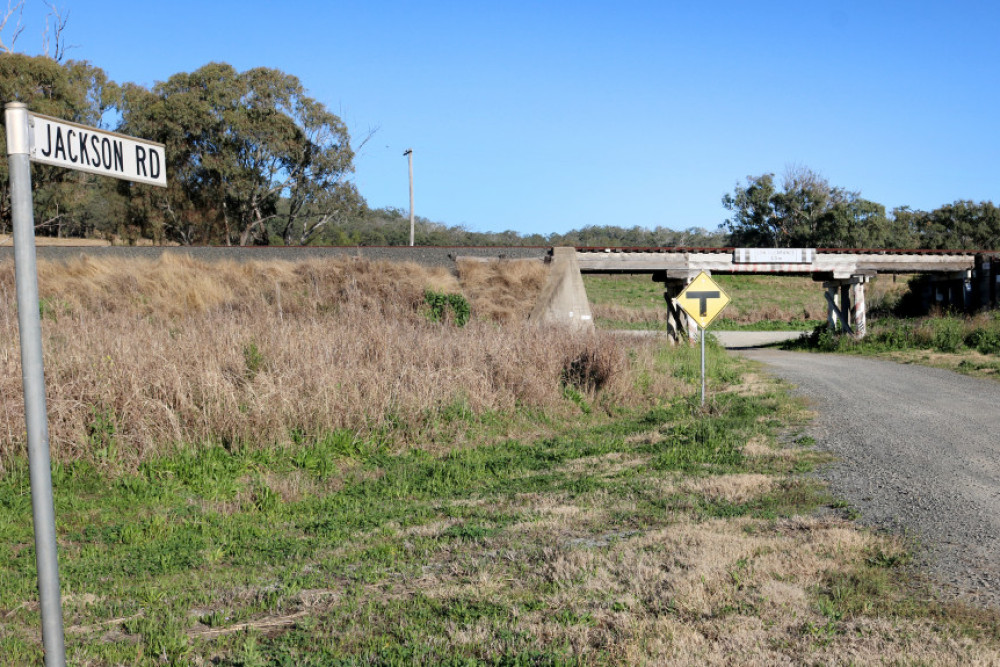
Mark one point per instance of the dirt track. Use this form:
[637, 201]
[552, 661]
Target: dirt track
[919, 452]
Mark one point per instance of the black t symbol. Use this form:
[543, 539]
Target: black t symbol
[703, 298]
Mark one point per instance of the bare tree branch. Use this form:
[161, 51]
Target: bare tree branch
[368, 137]
[58, 27]
[15, 8]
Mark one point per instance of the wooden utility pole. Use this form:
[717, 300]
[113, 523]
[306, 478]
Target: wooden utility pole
[409, 154]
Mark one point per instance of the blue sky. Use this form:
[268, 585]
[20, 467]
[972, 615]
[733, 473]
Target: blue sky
[549, 116]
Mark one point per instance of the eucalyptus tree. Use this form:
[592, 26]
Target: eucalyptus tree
[962, 225]
[250, 156]
[76, 91]
[806, 211]
[754, 221]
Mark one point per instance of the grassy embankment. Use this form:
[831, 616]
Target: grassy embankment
[291, 464]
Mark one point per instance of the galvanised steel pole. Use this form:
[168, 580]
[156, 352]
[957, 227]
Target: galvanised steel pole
[702, 366]
[33, 376]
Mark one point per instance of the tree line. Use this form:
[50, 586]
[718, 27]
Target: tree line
[806, 211]
[254, 160]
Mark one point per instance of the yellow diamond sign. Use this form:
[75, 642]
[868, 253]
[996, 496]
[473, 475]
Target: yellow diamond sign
[703, 300]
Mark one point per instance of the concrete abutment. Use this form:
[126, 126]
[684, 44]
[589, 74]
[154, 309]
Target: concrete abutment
[563, 300]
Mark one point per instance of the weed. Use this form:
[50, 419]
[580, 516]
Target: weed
[51, 308]
[253, 360]
[248, 650]
[469, 532]
[101, 434]
[823, 635]
[704, 445]
[592, 369]
[574, 395]
[948, 334]
[439, 303]
[262, 497]
[215, 619]
[985, 340]
[163, 635]
[880, 557]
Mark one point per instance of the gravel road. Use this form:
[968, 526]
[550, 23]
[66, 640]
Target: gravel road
[918, 453]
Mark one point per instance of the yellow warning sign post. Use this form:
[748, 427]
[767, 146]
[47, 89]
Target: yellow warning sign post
[703, 300]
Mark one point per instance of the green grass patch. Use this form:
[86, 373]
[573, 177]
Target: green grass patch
[759, 303]
[638, 291]
[728, 324]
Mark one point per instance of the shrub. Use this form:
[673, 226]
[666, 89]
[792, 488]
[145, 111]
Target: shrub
[893, 336]
[439, 303]
[823, 339]
[589, 371]
[948, 334]
[986, 340]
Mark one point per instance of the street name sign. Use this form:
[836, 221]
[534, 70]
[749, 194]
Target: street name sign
[703, 300]
[64, 144]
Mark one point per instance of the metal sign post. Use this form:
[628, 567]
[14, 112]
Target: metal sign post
[33, 377]
[702, 336]
[37, 138]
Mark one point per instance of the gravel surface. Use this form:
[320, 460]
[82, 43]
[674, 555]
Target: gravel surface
[918, 453]
[738, 340]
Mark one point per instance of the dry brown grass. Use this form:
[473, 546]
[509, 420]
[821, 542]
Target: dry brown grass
[7, 240]
[502, 290]
[147, 354]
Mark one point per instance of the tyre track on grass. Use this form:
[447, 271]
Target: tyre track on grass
[918, 451]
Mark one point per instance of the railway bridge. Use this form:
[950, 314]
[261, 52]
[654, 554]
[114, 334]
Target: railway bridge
[957, 278]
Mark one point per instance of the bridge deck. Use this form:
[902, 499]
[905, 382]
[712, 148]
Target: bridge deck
[825, 262]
